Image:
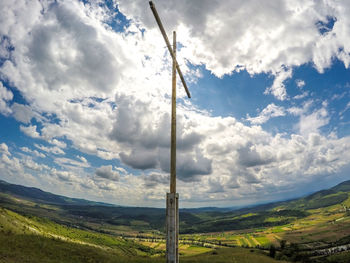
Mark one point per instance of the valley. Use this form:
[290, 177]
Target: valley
[314, 228]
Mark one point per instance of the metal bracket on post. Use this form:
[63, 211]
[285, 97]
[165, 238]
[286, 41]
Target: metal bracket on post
[172, 227]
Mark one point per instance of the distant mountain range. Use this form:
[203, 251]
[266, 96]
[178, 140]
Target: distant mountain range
[40, 196]
[315, 200]
[82, 212]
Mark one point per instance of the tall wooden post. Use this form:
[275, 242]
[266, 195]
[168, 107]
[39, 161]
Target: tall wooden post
[172, 216]
[173, 124]
[172, 198]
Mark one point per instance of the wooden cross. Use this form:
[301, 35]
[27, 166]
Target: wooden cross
[172, 205]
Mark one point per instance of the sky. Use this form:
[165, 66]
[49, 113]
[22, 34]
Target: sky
[85, 91]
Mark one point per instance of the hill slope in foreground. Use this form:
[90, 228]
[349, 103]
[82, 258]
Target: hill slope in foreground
[36, 226]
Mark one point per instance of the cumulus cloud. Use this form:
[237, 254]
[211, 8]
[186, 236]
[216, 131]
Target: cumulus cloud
[301, 96]
[19, 170]
[10, 166]
[155, 179]
[300, 83]
[278, 88]
[5, 47]
[136, 123]
[270, 111]
[22, 113]
[71, 163]
[144, 128]
[34, 152]
[58, 143]
[4, 149]
[65, 176]
[55, 150]
[220, 37]
[190, 167]
[82, 159]
[298, 111]
[107, 172]
[30, 131]
[252, 155]
[140, 159]
[30, 164]
[215, 186]
[311, 123]
[5, 96]
[58, 58]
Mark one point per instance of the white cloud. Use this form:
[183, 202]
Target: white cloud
[30, 164]
[347, 107]
[215, 186]
[301, 96]
[4, 149]
[5, 96]
[311, 123]
[278, 88]
[82, 159]
[55, 150]
[300, 83]
[30, 131]
[278, 34]
[71, 163]
[338, 96]
[58, 143]
[65, 176]
[54, 62]
[5, 47]
[10, 166]
[22, 113]
[35, 152]
[298, 111]
[107, 172]
[155, 179]
[270, 111]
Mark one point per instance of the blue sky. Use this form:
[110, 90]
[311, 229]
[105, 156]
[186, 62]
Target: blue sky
[85, 99]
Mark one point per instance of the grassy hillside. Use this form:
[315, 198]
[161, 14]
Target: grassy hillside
[315, 222]
[39, 196]
[86, 214]
[33, 239]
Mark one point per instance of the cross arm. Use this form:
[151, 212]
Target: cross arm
[159, 22]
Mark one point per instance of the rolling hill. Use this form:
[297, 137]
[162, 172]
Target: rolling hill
[315, 223]
[70, 210]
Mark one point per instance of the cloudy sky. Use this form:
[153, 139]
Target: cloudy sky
[85, 99]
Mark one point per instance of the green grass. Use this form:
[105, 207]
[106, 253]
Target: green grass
[263, 240]
[243, 241]
[34, 248]
[13, 224]
[313, 221]
[347, 201]
[343, 257]
[51, 243]
[238, 255]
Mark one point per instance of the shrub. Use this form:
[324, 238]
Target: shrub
[272, 251]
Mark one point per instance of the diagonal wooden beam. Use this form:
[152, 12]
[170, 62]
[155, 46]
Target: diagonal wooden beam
[159, 22]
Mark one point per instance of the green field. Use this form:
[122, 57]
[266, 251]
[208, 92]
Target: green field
[324, 225]
[34, 239]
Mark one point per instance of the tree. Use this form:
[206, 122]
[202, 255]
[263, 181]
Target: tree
[283, 244]
[272, 252]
